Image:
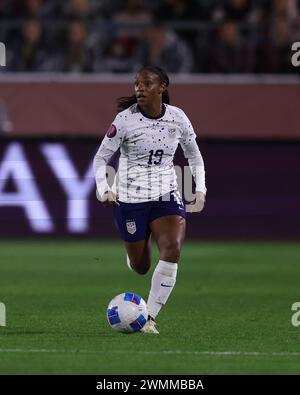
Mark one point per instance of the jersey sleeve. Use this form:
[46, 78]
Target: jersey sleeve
[192, 153]
[110, 144]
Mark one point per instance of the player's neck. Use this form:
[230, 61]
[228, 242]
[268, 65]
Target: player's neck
[153, 110]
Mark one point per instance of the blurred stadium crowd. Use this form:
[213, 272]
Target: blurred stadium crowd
[119, 36]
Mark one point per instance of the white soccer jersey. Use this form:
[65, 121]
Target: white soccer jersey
[147, 147]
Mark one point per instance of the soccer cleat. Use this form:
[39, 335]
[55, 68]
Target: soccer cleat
[150, 327]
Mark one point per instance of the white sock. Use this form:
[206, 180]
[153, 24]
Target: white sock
[128, 262]
[163, 281]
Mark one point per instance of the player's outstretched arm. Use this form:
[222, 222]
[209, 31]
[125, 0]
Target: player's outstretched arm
[108, 147]
[196, 164]
[193, 155]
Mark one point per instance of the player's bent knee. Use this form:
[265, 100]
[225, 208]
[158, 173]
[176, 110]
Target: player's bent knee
[142, 270]
[140, 267]
[171, 252]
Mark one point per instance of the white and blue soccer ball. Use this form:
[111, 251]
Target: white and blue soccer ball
[127, 313]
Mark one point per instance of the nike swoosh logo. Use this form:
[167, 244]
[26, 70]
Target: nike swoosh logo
[164, 285]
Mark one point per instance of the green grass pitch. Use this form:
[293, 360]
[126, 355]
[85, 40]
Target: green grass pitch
[230, 312]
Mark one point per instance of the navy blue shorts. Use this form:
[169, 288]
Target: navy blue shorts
[133, 219]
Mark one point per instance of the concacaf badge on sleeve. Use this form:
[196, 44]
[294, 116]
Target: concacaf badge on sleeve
[112, 131]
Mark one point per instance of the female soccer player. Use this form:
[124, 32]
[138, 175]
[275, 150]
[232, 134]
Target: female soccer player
[144, 197]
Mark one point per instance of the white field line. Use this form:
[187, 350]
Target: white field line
[162, 352]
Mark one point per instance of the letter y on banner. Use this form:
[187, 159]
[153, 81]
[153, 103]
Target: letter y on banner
[2, 314]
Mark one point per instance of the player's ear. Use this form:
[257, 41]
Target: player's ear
[162, 87]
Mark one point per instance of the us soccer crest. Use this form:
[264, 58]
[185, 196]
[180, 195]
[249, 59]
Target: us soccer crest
[131, 226]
